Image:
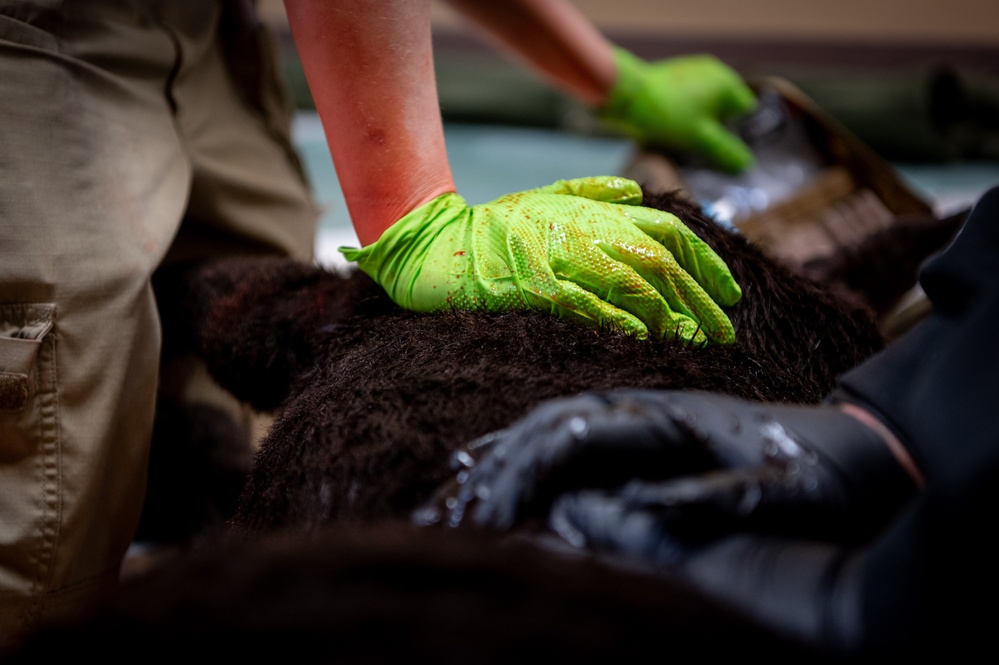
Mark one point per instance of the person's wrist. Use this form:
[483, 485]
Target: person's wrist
[618, 107]
[892, 442]
[394, 260]
[373, 212]
[876, 485]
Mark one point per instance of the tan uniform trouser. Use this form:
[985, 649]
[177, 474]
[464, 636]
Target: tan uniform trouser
[124, 143]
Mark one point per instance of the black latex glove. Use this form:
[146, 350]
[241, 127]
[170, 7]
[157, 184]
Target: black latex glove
[737, 464]
[592, 440]
[807, 591]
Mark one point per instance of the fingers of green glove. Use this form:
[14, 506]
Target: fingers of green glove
[634, 271]
[726, 149]
[723, 89]
[615, 285]
[692, 254]
[545, 291]
[730, 94]
[610, 189]
[684, 296]
[738, 98]
[573, 302]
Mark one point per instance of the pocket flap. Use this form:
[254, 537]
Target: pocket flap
[22, 330]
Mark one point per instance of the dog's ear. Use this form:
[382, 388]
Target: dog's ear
[259, 322]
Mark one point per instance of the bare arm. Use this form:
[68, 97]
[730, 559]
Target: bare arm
[369, 66]
[896, 447]
[551, 36]
[679, 104]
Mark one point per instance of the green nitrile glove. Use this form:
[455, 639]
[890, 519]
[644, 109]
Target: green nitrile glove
[680, 104]
[579, 248]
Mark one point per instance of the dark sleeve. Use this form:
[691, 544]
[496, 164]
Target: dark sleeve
[938, 387]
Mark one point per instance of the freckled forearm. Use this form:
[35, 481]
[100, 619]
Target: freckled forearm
[369, 66]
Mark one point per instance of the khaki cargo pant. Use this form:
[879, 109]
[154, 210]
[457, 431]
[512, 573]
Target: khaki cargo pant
[125, 144]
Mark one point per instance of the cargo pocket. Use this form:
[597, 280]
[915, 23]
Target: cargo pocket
[27, 377]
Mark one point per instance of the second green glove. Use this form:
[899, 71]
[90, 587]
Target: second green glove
[681, 104]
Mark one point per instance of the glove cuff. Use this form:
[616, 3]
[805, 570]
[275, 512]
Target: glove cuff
[619, 108]
[862, 457]
[395, 259]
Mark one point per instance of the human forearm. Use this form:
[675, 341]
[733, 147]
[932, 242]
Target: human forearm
[369, 66]
[680, 104]
[551, 36]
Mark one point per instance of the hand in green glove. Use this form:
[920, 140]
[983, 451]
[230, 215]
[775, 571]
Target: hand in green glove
[680, 104]
[573, 248]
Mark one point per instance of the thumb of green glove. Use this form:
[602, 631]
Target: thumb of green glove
[574, 248]
[680, 104]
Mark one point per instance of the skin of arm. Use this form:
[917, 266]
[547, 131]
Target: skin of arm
[678, 103]
[891, 441]
[553, 38]
[369, 65]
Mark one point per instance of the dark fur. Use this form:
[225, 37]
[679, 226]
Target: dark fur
[373, 400]
[392, 593]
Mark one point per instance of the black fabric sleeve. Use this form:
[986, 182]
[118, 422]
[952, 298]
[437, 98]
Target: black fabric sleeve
[938, 387]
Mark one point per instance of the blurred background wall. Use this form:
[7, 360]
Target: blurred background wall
[928, 21]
